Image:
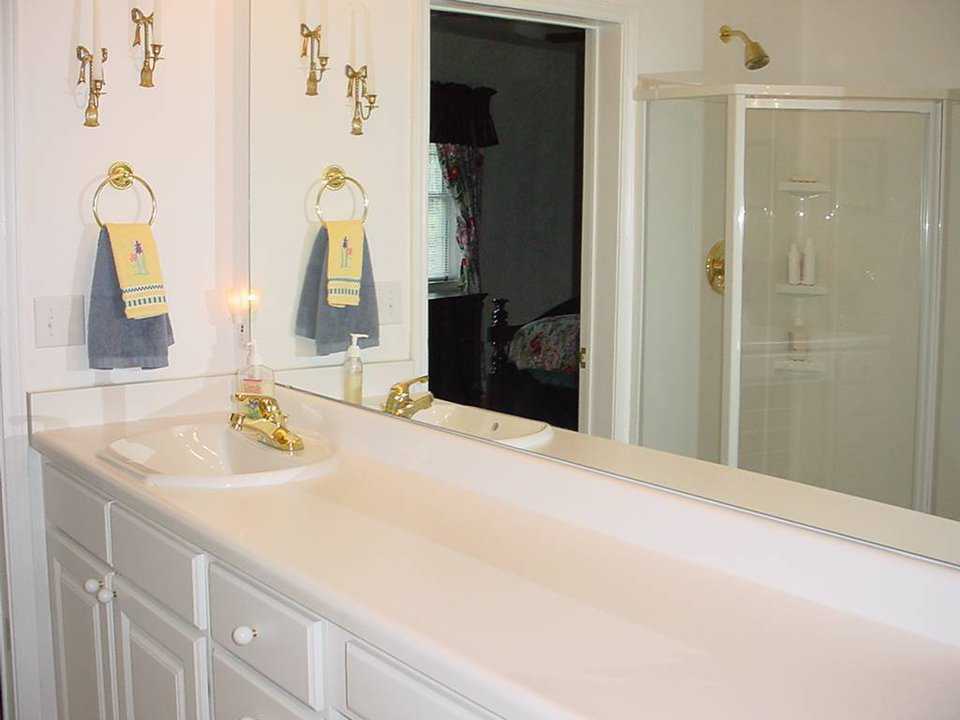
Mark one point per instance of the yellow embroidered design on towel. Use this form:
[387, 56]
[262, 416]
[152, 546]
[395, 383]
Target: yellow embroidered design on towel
[344, 262]
[138, 270]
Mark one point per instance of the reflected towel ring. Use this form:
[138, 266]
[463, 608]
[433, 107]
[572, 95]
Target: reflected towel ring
[335, 178]
[121, 176]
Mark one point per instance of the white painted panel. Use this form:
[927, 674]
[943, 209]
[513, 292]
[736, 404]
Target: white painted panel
[238, 692]
[288, 641]
[162, 565]
[80, 512]
[161, 661]
[82, 633]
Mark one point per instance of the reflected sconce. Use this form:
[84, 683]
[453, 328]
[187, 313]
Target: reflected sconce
[754, 56]
[91, 72]
[149, 39]
[310, 48]
[364, 102]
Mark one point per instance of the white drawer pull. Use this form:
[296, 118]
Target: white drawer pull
[92, 585]
[244, 635]
[104, 596]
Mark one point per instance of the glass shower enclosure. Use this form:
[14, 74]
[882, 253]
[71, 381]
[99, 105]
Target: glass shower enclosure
[794, 274]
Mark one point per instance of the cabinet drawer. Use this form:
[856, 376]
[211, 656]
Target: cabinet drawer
[239, 692]
[78, 511]
[171, 571]
[286, 643]
[380, 688]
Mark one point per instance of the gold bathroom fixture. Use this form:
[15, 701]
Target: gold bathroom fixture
[715, 266]
[400, 403]
[364, 103]
[335, 178]
[151, 50]
[271, 427]
[120, 176]
[754, 56]
[310, 48]
[91, 116]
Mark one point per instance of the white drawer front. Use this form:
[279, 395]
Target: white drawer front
[169, 570]
[78, 511]
[279, 640]
[379, 688]
[239, 692]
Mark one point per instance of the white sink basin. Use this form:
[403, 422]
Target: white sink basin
[213, 455]
[507, 429]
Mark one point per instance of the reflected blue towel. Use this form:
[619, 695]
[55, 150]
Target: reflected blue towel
[114, 340]
[330, 326]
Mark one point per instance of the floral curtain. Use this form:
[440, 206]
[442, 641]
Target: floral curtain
[463, 173]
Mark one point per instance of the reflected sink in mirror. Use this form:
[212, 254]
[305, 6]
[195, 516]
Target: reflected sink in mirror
[213, 455]
[507, 429]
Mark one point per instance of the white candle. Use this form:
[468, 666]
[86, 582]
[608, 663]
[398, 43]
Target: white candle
[158, 17]
[368, 49]
[97, 71]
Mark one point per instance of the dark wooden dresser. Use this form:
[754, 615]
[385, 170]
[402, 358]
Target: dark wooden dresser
[455, 347]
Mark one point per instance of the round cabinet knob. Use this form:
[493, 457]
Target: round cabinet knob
[243, 635]
[104, 596]
[92, 585]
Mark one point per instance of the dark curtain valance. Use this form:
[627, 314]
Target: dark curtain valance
[460, 115]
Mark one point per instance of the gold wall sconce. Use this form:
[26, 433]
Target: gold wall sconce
[93, 71]
[151, 49]
[754, 56]
[310, 48]
[364, 103]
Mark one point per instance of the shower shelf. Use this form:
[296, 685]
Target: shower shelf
[800, 366]
[785, 289]
[804, 189]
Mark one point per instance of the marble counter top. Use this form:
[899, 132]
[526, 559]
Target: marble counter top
[530, 616]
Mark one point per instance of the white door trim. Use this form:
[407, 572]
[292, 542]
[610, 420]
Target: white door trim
[614, 412]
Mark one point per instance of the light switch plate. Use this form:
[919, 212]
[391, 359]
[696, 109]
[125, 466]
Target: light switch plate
[389, 303]
[59, 321]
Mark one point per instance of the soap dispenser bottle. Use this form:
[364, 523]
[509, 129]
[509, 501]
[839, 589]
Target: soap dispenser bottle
[353, 371]
[254, 378]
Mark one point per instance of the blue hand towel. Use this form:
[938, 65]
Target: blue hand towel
[113, 339]
[331, 326]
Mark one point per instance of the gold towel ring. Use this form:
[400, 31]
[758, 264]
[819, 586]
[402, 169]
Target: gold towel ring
[121, 176]
[335, 178]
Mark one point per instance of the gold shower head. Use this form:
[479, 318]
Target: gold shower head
[754, 56]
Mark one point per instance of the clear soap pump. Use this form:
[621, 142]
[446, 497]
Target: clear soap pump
[353, 371]
[254, 378]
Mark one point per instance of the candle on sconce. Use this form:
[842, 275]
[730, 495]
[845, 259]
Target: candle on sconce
[158, 19]
[96, 72]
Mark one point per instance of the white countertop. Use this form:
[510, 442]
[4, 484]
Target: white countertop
[530, 616]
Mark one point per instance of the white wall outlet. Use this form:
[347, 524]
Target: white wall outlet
[59, 321]
[389, 303]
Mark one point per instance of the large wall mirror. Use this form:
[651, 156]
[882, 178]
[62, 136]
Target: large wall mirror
[761, 278]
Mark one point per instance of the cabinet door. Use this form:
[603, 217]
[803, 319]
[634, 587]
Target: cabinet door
[82, 631]
[161, 661]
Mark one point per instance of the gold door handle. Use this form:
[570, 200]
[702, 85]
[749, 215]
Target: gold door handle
[716, 266]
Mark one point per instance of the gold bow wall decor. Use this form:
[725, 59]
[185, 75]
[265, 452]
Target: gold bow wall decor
[310, 48]
[364, 103]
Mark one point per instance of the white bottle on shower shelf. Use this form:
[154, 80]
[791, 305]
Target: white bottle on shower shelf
[798, 341]
[794, 263]
[808, 271]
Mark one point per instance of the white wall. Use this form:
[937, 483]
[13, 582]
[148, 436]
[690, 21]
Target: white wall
[909, 43]
[167, 133]
[294, 137]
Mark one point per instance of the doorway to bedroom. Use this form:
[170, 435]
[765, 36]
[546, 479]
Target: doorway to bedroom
[505, 214]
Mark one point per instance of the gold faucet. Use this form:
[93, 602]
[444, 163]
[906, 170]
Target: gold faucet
[400, 403]
[271, 427]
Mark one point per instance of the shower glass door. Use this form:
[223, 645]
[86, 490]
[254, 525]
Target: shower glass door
[836, 296]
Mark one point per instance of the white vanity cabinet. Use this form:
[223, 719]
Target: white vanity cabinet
[148, 627]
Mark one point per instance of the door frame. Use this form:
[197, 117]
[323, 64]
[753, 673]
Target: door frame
[612, 199]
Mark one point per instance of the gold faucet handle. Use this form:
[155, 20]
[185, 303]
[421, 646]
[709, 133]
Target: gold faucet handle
[267, 405]
[403, 387]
